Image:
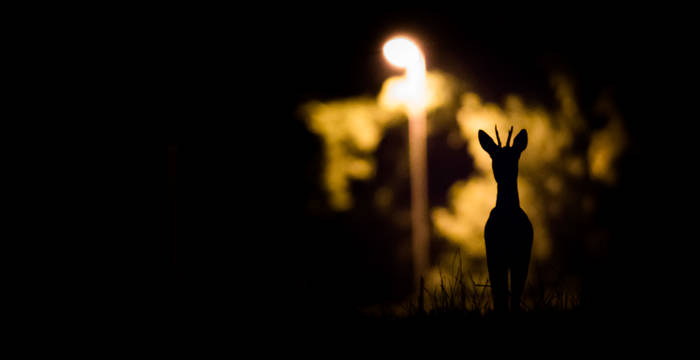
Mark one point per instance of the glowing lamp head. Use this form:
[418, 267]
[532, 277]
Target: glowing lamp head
[403, 53]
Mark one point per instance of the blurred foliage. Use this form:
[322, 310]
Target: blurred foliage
[561, 172]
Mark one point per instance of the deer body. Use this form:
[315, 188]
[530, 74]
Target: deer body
[508, 233]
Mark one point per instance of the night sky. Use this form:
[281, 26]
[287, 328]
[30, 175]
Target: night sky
[248, 219]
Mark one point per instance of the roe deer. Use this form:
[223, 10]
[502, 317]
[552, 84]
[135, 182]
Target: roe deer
[508, 232]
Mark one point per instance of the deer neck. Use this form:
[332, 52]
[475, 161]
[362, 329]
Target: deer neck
[507, 196]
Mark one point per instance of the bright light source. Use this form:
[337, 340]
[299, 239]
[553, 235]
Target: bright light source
[403, 53]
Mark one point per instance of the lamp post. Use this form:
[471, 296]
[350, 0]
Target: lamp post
[404, 53]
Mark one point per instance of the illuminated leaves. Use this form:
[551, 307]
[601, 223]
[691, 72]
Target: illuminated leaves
[562, 154]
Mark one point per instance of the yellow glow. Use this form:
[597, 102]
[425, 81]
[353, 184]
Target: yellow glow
[410, 89]
[562, 153]
[402, 52]
[546, 168]
[351, 130]
[397, 92]
[606, 145]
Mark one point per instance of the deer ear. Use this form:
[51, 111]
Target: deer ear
[520, 141]
[486, 142]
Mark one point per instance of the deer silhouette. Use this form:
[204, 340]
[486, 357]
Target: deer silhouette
[508, 232]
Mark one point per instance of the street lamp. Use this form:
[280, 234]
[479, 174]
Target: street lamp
[404, 53]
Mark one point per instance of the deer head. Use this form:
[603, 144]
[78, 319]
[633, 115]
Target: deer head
[504, 159]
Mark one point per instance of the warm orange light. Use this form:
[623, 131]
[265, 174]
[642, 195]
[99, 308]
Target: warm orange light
[402, 52]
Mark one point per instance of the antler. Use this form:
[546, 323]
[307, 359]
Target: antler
[510, 132]
[497, 138]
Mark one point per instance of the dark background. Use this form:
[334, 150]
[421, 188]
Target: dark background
[242, 167]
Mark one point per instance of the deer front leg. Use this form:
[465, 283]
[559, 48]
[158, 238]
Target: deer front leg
[498, 275]
[518, 277]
